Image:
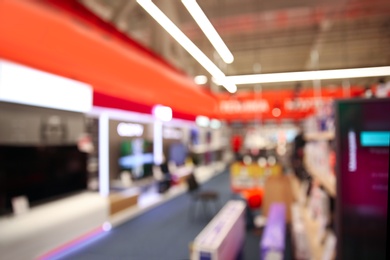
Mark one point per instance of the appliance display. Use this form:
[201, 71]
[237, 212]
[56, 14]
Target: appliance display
[194, 136]
[40, 173]
[136, 156]
[178, 153]
[362, 137]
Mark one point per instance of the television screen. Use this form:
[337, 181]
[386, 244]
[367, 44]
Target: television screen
[40, 173]
[136, 156]
[178, 153]
[362, 137]
[194, 136]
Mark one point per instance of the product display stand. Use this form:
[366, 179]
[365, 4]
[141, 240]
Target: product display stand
[224, 236]
[319, 136]
[27, 236]
[307, 232]
[147, 201]
[328, 181]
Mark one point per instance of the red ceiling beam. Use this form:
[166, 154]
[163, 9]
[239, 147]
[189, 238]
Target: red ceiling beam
[251, 106]
[48, 38]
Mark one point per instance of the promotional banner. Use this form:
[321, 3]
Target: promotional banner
[281, 104]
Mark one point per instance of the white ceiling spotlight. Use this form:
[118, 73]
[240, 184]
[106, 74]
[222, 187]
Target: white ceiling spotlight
[202, 121]
[187, 44]
[309, 75]
[200, 79]
[276, 112]
[208, 29]
[162, 113]
[215, 124]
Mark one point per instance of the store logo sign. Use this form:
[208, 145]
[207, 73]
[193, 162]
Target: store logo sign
[352, 164]
[302, 104]
[247, 106]
[129, 129]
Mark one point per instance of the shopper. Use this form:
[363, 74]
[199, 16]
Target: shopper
[236, 145]
[165, 182]
[298, 156]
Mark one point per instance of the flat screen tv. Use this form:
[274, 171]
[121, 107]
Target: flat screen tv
[194, 136]
[136, 156]
[362, 139]
[40, 173]
[178, 153]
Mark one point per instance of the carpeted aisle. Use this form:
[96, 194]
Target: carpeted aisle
[163, 233]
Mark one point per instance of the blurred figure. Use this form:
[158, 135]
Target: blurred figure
[163, 175]
[367, 92]
[298, 154]
[236, 143]
[383, 89]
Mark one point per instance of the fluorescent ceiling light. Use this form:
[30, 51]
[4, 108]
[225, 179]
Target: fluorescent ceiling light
[186, 43]
[163, 113]
[209, 30]
[215, 124]
[24, 85]
[203, 121]
[308, 75]
[200, 79]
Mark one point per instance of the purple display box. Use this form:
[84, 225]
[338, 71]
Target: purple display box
[273, 240]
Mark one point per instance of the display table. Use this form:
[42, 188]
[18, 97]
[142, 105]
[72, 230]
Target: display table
[223, 237]
[181, 173]
[123, 200]
[51, 225]
[152, 198]
[277, 189]
[247, 177]
[272, 244]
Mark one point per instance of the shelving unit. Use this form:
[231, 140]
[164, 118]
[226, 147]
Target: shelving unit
[152, 199]
[304, 224]
[327, 180]
[311, 228]
[313, 213]
[203, 148]
[320, 136]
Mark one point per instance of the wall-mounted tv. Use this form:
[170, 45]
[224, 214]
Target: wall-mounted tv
[362, 139]
[194, 136]
[40, 173]
[136, 156]
[178, 153]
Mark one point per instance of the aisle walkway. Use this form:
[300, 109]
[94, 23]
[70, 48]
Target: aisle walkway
[162, 233]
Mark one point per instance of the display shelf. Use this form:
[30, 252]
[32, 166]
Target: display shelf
[51, 225]
[320, 136]
[327, 180]
[318, 245]
[305, 224]
[224, 234]
[203, 148]
[312, 229]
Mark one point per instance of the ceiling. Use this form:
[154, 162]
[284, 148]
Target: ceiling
[266, 36]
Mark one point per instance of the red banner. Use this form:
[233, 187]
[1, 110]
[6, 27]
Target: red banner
[280, 104]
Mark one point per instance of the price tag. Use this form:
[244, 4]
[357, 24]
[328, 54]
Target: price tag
[126, 178]
[20, 205]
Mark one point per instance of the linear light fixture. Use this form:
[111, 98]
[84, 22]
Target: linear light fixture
[52, 91]
[208, 29]
[186, 43]
[308, 75]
